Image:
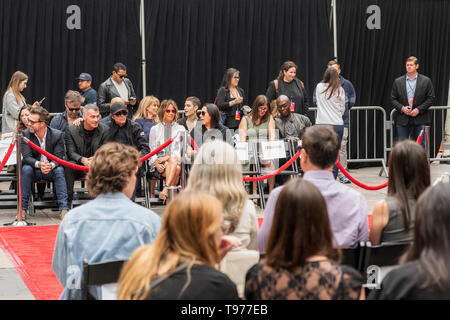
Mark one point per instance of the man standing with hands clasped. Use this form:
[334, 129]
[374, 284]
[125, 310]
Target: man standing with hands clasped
[412, 95]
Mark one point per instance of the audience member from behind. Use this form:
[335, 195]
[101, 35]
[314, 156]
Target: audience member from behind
[147, 114]
[424, 272]
[108, 228]
[347, 208]
[298, 263]
[409, 175]
[216, 170]
[81, 144]
[180, 264]
[36, 166]
[72, 114]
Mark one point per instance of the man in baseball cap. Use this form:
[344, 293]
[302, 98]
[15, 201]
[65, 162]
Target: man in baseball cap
[89, 94]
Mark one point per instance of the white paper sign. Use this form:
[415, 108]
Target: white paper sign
[273, 150]
[242, 151]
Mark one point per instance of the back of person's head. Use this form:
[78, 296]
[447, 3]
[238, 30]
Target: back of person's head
[322, 144]
[431, 245]
[300, 228]
[228, 75]
[147, 101]
[111, 168]
[216, 170]
[214, 113]
[331, 78]
[187, 235]
[409, 174]
[44, 116]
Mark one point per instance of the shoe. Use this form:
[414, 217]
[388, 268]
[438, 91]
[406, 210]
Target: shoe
[24, 215]
[164, 195]
[344, 180]
[63, 213]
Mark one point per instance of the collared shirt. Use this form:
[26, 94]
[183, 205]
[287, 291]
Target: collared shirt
[292, 127]
[108, 228]
[347, 210]
[411, 87]
[42, 145]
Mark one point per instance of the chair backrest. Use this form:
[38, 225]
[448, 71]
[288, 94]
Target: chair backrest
[353, 257]
[98, 274]
[386, 254]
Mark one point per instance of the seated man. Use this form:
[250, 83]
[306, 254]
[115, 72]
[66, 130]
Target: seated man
[81, 143]
[72, 114]
[290, 125]
[347, 208]
[108, 228]
[107, 120]
[35, 165]
[123, 130]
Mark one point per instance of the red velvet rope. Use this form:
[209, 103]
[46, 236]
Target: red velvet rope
[7, 155]
[282, 168]
[359, 184]
[84, 168]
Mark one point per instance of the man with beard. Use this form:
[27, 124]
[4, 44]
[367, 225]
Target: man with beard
[72, 114]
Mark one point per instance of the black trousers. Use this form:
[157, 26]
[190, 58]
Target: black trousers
[72, 175]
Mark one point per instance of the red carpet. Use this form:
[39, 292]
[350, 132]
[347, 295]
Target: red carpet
[30, 249]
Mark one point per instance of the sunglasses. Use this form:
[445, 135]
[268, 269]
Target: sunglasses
[202, 113]
[171, 111]
[122, 75]
[74, 109]
[121, 113]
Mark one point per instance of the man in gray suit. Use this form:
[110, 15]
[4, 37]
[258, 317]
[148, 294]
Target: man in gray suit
[412, 95]
[117, 86]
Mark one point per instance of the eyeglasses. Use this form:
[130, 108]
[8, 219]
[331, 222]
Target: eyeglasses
[171, 111]
[34, 121]
[263, 108]
[74, 109]
[121, 113]
[283, 106]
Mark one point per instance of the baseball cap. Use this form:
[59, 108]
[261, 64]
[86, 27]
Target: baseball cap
[117, 106]
[84, 76]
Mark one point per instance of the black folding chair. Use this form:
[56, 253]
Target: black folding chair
[255, 171]
[98, 274]
[353, 257]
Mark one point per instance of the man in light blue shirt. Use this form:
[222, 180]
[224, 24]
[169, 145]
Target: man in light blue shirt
[347, 208]
[108, 228]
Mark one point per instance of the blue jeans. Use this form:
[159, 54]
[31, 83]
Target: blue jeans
[30, 175]
[403, 132]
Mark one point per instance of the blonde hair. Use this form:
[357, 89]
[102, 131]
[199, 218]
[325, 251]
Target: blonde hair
[186, 236]
[141, 113]
[16, 79]
[216, 170]
[112, 165]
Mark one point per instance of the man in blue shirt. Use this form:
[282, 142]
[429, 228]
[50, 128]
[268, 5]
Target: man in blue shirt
[72, 114]
[89, 94]
[108, 228]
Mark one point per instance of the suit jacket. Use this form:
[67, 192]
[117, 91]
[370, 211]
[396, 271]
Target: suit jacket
[423, 99]
[76, 147]
[54, 144]
[107, 91]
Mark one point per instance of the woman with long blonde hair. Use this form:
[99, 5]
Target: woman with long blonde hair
[180, 262]
[147, 114]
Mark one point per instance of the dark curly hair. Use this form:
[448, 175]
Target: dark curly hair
[112, 165]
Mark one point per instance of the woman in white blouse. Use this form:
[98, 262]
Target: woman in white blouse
[167, 162]
[330, 97]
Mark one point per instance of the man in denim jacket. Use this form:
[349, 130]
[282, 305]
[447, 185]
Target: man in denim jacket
[108, 228]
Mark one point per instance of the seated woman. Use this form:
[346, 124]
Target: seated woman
[180, 264]
[215, 171]
[409, 175]
[147, 114]
[210, 127]
[167, 162]
[22, 123]
[258, 126]
[424, 272]
[298, 263]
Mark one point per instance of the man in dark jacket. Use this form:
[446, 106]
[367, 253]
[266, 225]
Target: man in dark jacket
[412, 95]
[81, 143]
[117, 86]
[36, 166]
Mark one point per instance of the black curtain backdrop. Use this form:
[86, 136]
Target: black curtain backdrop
[372, 59]
[190, 43]
[35, 39]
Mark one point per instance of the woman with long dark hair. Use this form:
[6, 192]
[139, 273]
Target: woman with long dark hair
[209, 126]
[288, 84]
[409, 175]
[299, 254]
[424, 272]
[230, 98]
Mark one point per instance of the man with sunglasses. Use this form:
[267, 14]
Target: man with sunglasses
[72, 114]
[117, 86]
[36, 166]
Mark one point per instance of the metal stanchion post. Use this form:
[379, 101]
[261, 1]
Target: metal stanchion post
[426, 140]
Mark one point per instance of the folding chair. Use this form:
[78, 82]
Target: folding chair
[254, 170]
[98, 274]
[353, 257]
